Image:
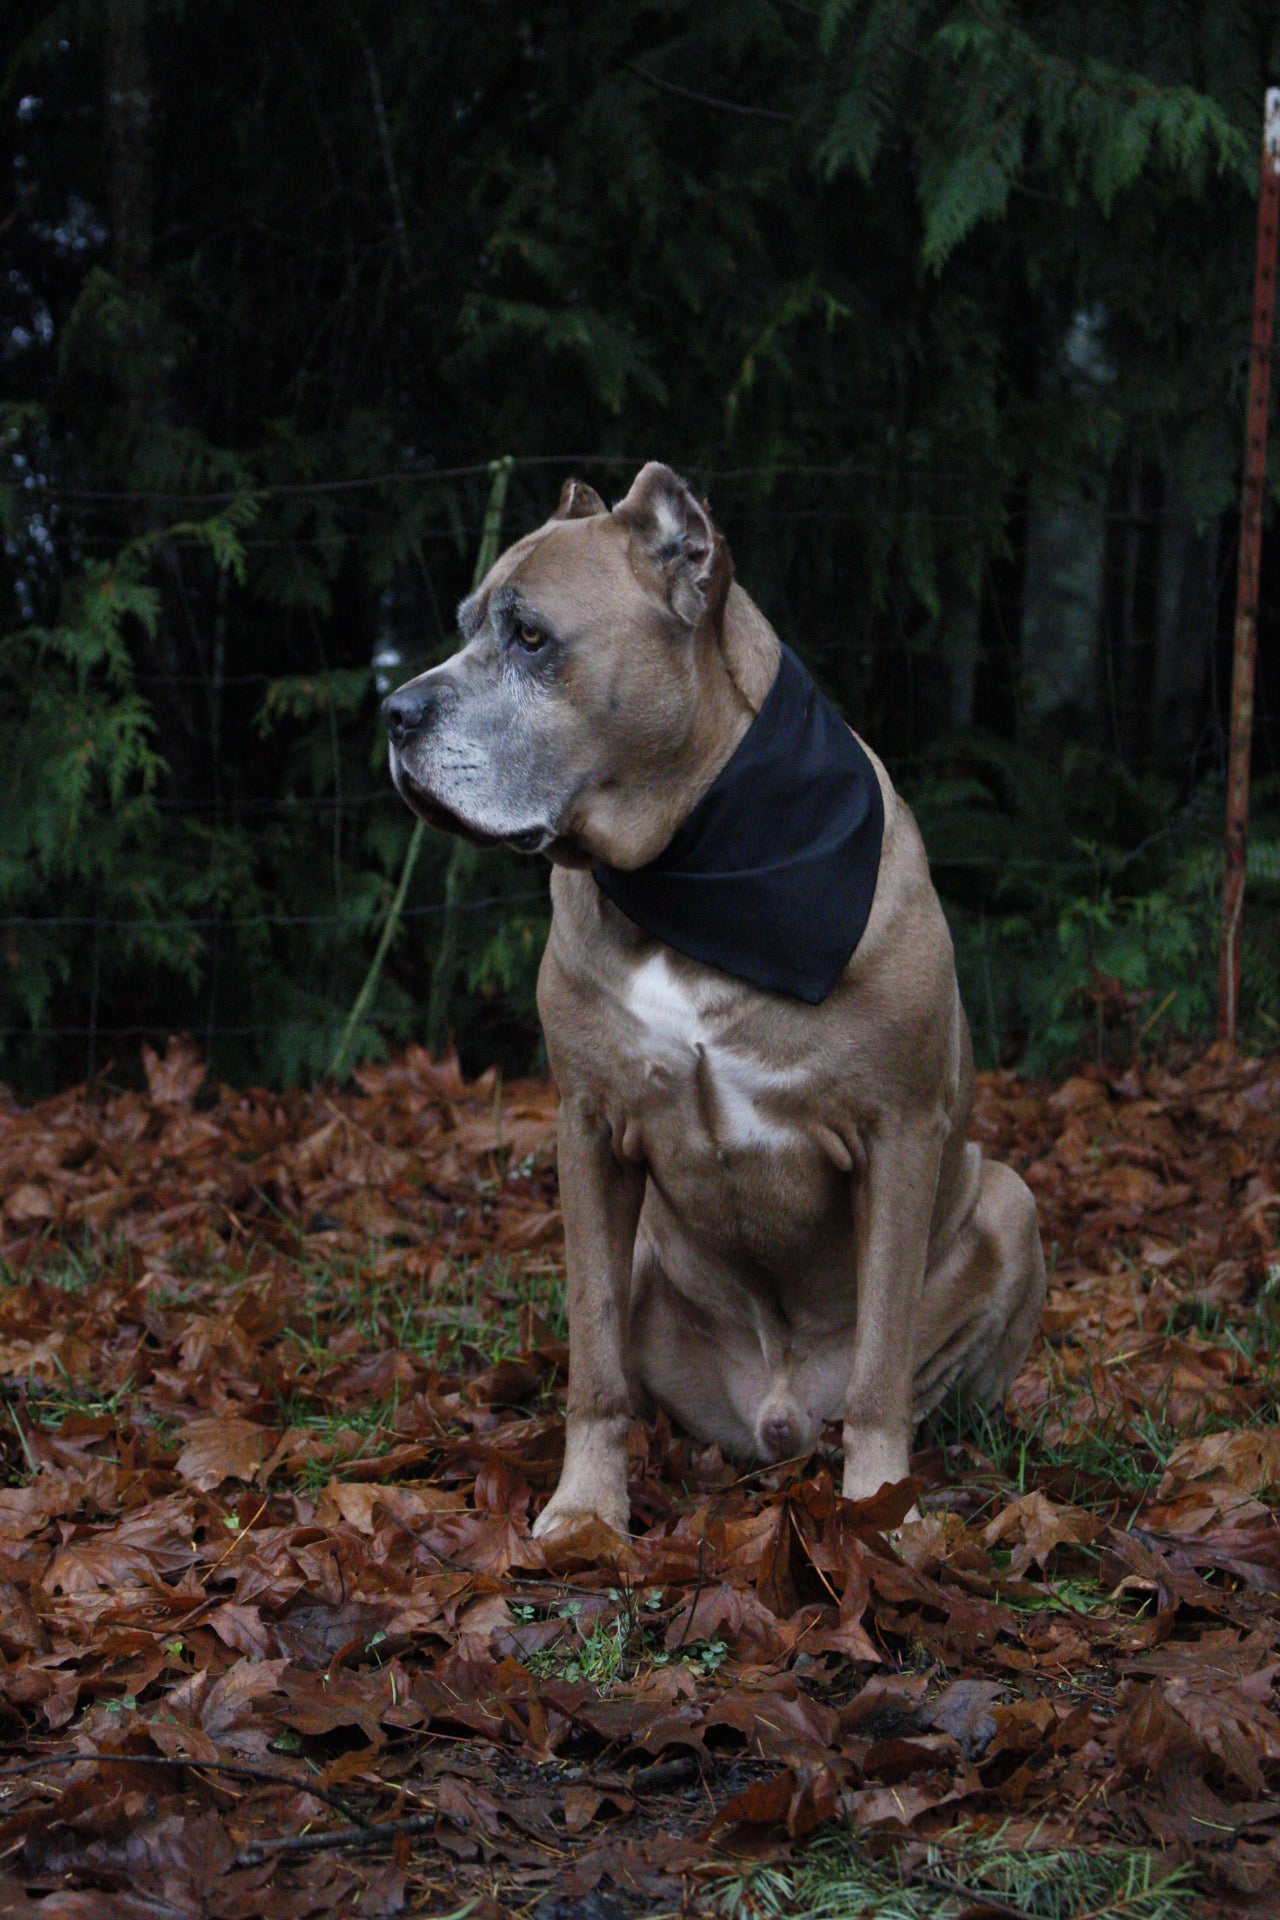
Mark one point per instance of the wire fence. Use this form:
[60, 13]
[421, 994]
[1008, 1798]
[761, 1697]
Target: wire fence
[324, 1024]
[228, 921]
[1018, 502]
[521, 463]
[321, 1024]
[883, 495]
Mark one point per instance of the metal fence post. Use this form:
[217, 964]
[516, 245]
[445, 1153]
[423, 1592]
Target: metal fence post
[1246, 630]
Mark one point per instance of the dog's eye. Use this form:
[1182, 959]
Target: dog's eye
[530, 639]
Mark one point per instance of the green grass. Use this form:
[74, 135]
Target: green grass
[1128, 1456]
[75, 1270]
[467, 1318]
[834, 1880]
[49, 1402]
[464, 1319]
[1252, 1332]
[614, 1647]
[1079, 1594]
[475, 1305]
[600, 1656]
[372, 1422]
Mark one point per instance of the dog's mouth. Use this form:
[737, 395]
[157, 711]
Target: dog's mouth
[436, 814]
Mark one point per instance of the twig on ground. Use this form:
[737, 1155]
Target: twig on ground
[980, 1901]
[350, 1839]
[665, 1774]
[242, 1533]
[532, 1587]
[186, 1621]
[808, 1551]
[261, 1776]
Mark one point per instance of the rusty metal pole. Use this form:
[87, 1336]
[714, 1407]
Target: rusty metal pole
[1246, 633]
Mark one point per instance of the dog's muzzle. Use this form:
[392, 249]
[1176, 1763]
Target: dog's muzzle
[410, 712]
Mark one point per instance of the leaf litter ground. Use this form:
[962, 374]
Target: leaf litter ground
[282, 1383]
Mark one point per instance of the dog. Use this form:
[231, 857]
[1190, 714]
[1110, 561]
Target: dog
[773, 1218]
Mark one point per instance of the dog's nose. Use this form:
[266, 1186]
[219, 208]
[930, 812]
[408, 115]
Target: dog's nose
[406, 710]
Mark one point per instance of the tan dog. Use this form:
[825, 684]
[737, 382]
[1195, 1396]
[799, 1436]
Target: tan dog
[772, 1218]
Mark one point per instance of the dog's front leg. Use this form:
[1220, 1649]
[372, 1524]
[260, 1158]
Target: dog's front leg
[893, 1207]
[600, 1197]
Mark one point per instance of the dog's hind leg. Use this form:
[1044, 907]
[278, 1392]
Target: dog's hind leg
[705, 1375]
[983, 1296]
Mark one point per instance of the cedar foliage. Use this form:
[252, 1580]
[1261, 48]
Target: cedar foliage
[825, 258]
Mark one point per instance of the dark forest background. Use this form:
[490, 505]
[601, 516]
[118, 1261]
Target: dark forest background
[944, 306]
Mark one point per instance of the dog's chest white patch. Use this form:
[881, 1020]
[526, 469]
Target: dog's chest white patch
[678, 1045]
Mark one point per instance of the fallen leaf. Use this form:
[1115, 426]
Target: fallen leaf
[1244, 1457]
[221, 1449]
[1039, 1526]
[174, 1080]
[964, 1711]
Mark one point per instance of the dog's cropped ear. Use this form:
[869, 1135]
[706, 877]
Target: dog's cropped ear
[681, 539]
[578, 501]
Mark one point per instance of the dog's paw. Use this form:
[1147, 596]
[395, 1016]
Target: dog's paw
[593, 1480]
[563, 1516]
[869, 1486]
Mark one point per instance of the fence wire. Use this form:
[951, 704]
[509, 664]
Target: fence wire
[904, 494]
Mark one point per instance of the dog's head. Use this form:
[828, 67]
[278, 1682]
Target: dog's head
[579, 715]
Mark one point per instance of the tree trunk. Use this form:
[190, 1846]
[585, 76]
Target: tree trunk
[1185, 628]
[1061, 607]
[130, 168]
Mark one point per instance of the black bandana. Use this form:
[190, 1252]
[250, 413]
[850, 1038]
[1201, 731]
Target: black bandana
[772, 875]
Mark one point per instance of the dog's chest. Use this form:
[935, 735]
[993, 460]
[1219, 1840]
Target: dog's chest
[681, 1068]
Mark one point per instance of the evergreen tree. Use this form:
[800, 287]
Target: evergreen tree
[945, 305]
